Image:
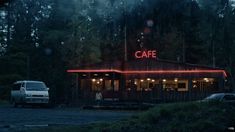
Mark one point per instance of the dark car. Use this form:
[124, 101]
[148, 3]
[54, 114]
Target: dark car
[222, 97]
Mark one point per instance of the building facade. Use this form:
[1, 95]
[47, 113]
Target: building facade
[146, 80]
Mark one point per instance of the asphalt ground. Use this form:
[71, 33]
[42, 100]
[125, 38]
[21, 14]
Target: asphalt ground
[25, 117]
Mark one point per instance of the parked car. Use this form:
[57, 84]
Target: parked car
[29, 92]
[222, 97]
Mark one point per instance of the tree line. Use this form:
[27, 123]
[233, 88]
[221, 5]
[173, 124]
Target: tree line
[41, 39]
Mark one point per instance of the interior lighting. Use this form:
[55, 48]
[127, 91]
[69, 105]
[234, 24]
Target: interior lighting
[206, 79]
[106, 74]
[84, 75]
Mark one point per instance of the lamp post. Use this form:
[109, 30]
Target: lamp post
[125, 30]
[28, 66]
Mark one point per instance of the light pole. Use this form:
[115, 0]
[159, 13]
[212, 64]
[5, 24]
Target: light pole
[125, 30]
[28, 66]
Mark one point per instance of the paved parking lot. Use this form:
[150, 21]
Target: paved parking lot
[27, 117]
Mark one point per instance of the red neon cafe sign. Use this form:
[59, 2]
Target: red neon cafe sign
[146, 54]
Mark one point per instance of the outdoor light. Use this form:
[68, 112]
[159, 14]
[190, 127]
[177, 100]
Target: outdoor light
[93, 80]
[194, 81]
[106, 74]
[206, 79]
[101, 79]
[84, 75]
[95, 74]
[164, 80]
[153, 80]
[98, 82]
[141, 80]
[135, 83]
[176, 80]
[148, 79]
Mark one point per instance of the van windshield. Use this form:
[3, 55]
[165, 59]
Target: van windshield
[36, 87]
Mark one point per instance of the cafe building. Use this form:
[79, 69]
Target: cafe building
[146, 79]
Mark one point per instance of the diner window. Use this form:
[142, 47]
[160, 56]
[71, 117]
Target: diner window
[205, 84]
[175, 84]
[116, 85]
[183, 85]
[146, 84]
[97, 84]
[169, 84]
[108, 85]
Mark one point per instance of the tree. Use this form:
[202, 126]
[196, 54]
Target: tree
[20, 37]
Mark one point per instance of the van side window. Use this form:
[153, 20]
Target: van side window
[16, 86]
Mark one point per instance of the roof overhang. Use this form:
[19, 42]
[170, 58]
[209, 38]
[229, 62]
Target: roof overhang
[150, 71]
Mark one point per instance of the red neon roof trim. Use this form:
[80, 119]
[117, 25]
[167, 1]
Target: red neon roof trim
[103, 70]
[150, 72]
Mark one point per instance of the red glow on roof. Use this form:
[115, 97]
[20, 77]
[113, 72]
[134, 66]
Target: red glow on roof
[150, 71]
[97, 71]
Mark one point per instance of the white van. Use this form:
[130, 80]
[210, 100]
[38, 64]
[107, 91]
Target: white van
[29, 92]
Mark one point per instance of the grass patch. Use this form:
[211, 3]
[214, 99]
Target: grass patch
[178, 117]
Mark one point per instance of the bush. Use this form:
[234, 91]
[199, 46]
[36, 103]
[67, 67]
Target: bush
[178, 117]
[5, 85]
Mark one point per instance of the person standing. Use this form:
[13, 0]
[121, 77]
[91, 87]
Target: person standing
[98, 97]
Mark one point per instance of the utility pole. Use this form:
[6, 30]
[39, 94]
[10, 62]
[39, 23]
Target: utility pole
[184, 59]
[125, 31]
[28, 67]
[125, 44]
[183, 46]
[8, 22]
[213, 52]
